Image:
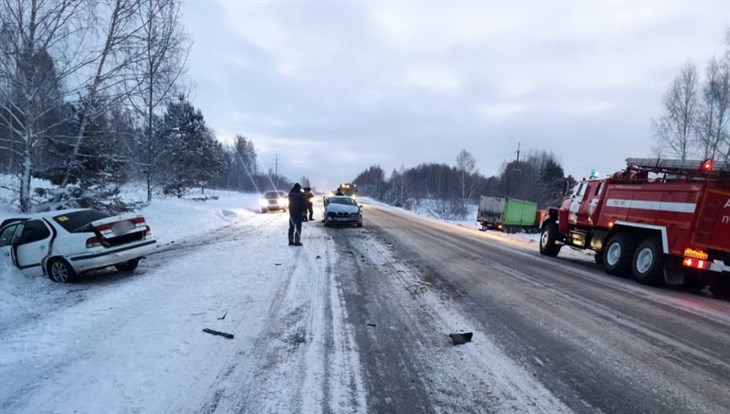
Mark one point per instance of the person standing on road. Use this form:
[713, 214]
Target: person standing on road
[310, 202]
[297, 205]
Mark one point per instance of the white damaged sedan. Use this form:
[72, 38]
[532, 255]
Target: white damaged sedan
[342, 210]
[65, 243]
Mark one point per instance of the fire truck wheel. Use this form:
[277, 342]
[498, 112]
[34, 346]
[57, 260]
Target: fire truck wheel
[648, 263]
[618, 254]
[720, 287]
[549, 235]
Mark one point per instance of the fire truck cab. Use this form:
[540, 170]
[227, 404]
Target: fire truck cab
[659, 220]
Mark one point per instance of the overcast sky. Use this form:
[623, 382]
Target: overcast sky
[334, 87]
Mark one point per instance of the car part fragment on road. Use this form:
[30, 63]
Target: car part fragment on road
[223, 334]
[460, 338]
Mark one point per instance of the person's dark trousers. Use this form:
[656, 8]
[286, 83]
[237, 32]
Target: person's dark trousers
[310, 208]
[295, 231]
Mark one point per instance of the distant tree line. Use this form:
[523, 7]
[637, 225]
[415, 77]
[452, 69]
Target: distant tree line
[538, 177]
[695, 122]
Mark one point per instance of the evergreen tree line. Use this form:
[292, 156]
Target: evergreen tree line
[185, 154]
[539, 177]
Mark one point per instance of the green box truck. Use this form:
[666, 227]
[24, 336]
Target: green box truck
[506, 214]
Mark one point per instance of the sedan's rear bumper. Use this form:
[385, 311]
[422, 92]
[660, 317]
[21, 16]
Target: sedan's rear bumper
[112, 256]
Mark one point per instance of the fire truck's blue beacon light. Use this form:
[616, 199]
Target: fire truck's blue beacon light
[595, 174]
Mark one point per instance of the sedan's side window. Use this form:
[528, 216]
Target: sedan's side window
[34, 230]
[6, 237]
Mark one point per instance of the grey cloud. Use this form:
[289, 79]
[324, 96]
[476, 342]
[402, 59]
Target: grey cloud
[334, 88]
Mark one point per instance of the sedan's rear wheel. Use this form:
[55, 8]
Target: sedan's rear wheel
[60, 271]
[127, 266]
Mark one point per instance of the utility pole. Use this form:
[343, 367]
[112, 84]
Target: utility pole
[276, 170]
[515, 171]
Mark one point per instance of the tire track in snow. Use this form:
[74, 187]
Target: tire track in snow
[237, 387]
[297, 362]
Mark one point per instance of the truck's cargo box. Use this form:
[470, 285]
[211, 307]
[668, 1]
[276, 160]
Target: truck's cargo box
[498, 212]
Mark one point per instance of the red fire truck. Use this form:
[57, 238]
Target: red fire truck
[658, 220]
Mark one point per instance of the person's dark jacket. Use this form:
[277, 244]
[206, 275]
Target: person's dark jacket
[297, 202]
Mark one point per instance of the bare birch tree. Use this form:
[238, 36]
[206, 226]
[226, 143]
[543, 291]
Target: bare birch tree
[107, 72]
[41, 48]
[157, 73]
[714, 110]
[674, 131]
[467, 170]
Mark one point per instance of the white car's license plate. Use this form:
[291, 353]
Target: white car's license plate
[122, 227]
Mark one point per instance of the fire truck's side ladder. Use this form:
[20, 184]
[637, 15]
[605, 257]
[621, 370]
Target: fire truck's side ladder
[677, 165]
[706, 226]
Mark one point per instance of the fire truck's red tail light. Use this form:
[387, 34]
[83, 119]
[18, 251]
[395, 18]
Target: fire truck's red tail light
[696, 263]
[706, 165]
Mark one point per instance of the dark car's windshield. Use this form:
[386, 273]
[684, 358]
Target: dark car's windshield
[343, 200]
[77, 221]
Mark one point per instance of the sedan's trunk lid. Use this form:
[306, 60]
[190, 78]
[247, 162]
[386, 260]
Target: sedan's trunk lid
[123, 229]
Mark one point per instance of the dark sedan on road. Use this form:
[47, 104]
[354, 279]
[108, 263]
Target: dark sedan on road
[342, 210]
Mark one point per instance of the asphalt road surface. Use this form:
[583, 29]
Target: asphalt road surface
[550, 334]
